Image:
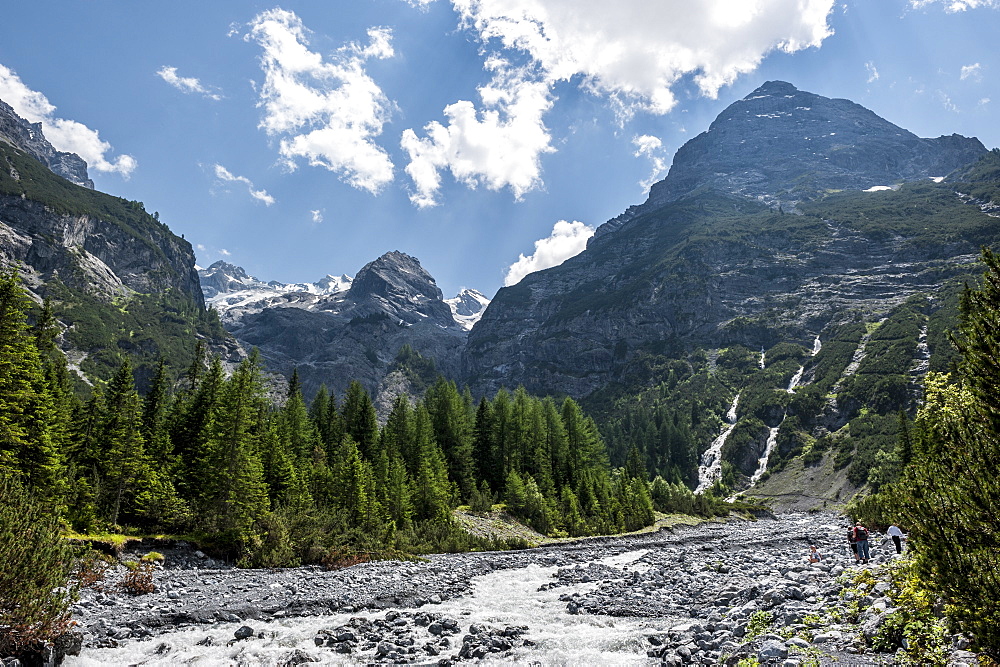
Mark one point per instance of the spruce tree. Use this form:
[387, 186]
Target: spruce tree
[230, 474]
[453, 431]
[27, 449]
[125, 468]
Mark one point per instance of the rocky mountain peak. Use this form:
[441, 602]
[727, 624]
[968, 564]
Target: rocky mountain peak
[29, 138]
[397, 277]
[468, 307]
[780, 143]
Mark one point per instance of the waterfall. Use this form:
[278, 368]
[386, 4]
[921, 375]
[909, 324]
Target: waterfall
[817, 346]
[711, 461]
[795, 380]
[761, 357]
[772, 440]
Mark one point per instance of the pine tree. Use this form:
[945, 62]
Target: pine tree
[453, 431]
[125, 468]
[431, 488]
[231, 478]
[27, 449]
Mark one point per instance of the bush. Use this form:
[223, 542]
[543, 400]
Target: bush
[35, 588]
[139, 578]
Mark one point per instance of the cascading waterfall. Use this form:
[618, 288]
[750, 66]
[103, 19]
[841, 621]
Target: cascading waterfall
[772, 440]
[711, 461]
[761, 362]
[772, 437]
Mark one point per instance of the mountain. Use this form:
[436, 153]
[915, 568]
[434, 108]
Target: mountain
[768, 234]
[28, 137]
[342, 329]
[118, 278]
[467, 307]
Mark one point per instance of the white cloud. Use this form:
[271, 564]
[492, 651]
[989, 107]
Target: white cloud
[317, 216]
[872, 72]
[226, 176]
[956, 5]
[632, 52]
[971, 71]
[499, 146]
[325, 112]
[225, 253]
[984, 101]
[652, 148]
[185, 84]
[946, 102]
[200, 247]
[567, 240]
[636, 50]
[65, 135]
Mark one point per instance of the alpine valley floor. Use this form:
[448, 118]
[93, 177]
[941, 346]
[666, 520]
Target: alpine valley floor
[688, 595]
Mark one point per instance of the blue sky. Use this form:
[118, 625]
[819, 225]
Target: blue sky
[310, 137]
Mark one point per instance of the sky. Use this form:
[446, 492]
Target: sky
[487, 138]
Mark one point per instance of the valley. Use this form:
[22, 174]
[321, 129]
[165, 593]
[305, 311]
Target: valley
[687, 594]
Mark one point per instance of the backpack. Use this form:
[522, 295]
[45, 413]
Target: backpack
[860, 533]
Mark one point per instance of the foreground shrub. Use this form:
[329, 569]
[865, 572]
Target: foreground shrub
[35, 568]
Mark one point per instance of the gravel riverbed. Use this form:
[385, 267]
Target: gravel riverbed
[684, 596]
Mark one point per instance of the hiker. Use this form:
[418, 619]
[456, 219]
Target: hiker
[814, 555]
[896, 533]
[854, 544]
[861, 540]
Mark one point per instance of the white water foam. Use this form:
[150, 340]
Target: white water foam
[772, 440]
[501, 598]
[711, 461]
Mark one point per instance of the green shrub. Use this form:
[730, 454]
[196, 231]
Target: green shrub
[35, 588]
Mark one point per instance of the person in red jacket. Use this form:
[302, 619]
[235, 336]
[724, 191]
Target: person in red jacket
[861, 539]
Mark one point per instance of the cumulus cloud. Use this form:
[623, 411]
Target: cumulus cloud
[652, 148]
[971, 71]
[317, 216]
[186, 84]
[327, 112]
[66, 135]
[226, 176]
[632, 52]
[956, 5]
[567, 240]
[637, 50]
[872, 72]
[499, 146]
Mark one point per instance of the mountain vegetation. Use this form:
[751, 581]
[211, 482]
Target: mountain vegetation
[208, 455]
[940, 480]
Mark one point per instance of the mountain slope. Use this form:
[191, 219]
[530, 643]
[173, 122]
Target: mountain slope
[118, 278]
[711, 296]
[339, 330]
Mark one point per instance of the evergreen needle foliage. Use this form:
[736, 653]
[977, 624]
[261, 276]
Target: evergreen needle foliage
[34, 579]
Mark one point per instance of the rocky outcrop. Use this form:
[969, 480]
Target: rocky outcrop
[28, 137]
[101, 257]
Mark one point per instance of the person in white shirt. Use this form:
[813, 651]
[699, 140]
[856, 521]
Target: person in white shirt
[897, 537]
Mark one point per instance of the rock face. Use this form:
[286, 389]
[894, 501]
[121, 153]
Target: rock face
[781, 142]
[710, 260]
[99, 259]
[99, 256]
[28, 137]
[341, 335]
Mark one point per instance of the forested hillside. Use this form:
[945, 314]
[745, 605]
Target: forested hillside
[209, 456]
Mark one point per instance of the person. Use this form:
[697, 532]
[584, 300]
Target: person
[896, 533]
[854, 544]
[814, 555]
[861, 540]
